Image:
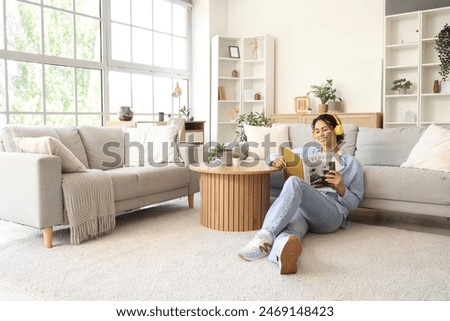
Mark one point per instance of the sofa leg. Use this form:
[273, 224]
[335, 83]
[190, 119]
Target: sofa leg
[191, 200]
[48, 237]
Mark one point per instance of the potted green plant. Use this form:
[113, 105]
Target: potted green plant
[325, 93]
[443, 49]
[401, 86]
[253, 119]
[215, 152]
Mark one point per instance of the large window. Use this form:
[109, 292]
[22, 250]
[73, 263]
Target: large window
[64, 62]
[149, 56]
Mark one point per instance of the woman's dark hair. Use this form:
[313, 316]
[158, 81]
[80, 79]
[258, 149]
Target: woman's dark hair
[331, 121]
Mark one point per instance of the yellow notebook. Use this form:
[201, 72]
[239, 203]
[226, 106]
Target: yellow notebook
[294, 164]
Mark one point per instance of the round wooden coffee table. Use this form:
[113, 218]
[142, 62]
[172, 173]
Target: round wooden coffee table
[234, 198]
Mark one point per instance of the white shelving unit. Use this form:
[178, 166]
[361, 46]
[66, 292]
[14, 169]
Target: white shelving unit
[409, 53]
[251, 90]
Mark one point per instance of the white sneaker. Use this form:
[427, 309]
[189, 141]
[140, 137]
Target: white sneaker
[288, 255]
[258, 247]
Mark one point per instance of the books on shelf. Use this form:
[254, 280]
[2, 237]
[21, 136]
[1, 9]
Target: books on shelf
[312, 170]
[222, 94]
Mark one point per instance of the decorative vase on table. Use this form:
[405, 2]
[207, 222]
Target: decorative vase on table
[125, 113]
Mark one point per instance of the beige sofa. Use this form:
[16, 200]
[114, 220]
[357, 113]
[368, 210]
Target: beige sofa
[387, 185]
[31, 192]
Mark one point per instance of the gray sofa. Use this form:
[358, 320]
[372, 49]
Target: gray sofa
[387, 185]
[31, 192]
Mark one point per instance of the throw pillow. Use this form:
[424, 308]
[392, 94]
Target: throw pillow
[103, 145]
[257, 137]
[52, 146]
[150, 145]
[432, 151]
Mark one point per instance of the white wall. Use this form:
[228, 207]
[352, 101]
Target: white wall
[314, 41]
[208, 19]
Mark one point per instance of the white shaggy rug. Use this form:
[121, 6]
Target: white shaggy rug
[163, 253]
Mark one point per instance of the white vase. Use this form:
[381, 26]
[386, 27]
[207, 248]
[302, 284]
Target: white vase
[445, 86]
[236, 161]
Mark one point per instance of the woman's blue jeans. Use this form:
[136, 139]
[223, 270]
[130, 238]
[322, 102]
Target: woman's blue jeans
[300, 208]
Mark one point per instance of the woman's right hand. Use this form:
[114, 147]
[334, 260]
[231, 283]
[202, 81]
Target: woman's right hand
[279, 162]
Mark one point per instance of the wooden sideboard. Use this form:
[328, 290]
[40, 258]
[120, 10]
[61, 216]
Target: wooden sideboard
[374, 120]
[194, 132]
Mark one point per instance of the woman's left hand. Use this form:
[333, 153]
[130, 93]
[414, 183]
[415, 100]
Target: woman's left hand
[335, 180]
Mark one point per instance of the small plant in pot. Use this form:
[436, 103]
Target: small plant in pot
[252, 119]
[325, 93]
[443, 49]
[401, 86]
[215, 152]
[236, 158]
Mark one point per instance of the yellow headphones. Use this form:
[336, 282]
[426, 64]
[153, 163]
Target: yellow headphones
[338, 130]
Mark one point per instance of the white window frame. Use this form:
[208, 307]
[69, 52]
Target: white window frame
[105, 64]
[136, 68]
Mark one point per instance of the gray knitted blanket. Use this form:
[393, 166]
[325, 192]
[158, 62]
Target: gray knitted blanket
[89, 204]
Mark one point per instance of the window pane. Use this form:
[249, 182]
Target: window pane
[2, 120]
[26, 119]
[23, 27]
[24, 86]
[142, 46]
[162, 15]
[163, 95]
[141, 11]
[120, 42]
[89, 7]
[2, 30]
[90, 120]
[59, 89]
[2, 86]
[163, 50]
[88, 39]
[179, 21]
[63, 4]
[89, 90]
[61, 120]
[58, 33]
[179, 53]
[119, 90]
[120, 11]
[142, 94]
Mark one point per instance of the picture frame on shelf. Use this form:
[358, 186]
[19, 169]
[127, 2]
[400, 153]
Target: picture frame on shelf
[301, 104]
[234, 52]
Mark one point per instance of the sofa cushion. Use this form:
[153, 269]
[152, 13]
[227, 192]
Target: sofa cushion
[407, 184]
[103, 145]
[300, 134]
[130, 182]
[432, 151]
[388, 146]
[70, 137]
[11, 132]
[257, 135]
[52, 146]
[160, 141]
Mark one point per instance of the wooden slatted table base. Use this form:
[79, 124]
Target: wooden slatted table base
[234, 202]
[234, 199]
